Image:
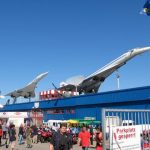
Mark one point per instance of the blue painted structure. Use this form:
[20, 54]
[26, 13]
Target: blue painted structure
[88, 105]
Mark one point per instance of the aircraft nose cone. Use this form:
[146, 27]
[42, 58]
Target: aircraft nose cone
[45, 73]
[145, 49]
[138, 51]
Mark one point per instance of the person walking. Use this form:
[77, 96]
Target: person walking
[61, 140]
[28, 136]
[12, 136]
[5, 129]
[34, 133]
[21, 133]
[1, 134]
[99, 139]
[84, 138]
[91, 133]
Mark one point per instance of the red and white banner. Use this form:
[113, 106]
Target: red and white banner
[13, 115]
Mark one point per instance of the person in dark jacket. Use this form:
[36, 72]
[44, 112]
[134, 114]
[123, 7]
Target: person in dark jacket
[21, 133]
[91, 133]
[12, 136]
[61, 140]
[34, 133]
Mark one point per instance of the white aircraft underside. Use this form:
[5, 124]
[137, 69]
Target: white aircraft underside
[89, 84]
[29, 90]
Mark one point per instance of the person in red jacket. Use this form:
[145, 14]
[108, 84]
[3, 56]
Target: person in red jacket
[84, 138]
[99, 139]
[1, 134]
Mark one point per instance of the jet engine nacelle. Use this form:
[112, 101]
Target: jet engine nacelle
[30, 94]
[26, 96]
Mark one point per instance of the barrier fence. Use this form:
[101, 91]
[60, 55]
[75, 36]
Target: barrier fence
[126, 129]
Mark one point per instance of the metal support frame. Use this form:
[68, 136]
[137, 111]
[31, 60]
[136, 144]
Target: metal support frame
[138, 116]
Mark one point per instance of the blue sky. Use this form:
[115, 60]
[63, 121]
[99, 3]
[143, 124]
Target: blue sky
[69, 38]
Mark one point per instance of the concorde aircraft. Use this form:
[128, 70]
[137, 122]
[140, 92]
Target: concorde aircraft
[91, 83]
[29, 90]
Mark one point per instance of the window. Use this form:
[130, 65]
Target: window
[70, 111]
[55, 111]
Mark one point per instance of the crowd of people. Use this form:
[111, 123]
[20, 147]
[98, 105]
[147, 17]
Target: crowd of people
[26, 134]
[60, 140]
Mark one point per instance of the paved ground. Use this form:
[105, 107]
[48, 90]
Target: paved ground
[39, 146]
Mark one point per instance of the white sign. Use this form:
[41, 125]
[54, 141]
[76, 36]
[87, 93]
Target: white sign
[125, 138]
[36, 105]
[89, 118]
[13, 115]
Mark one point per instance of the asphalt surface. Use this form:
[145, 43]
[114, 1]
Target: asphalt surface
[39, 146]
